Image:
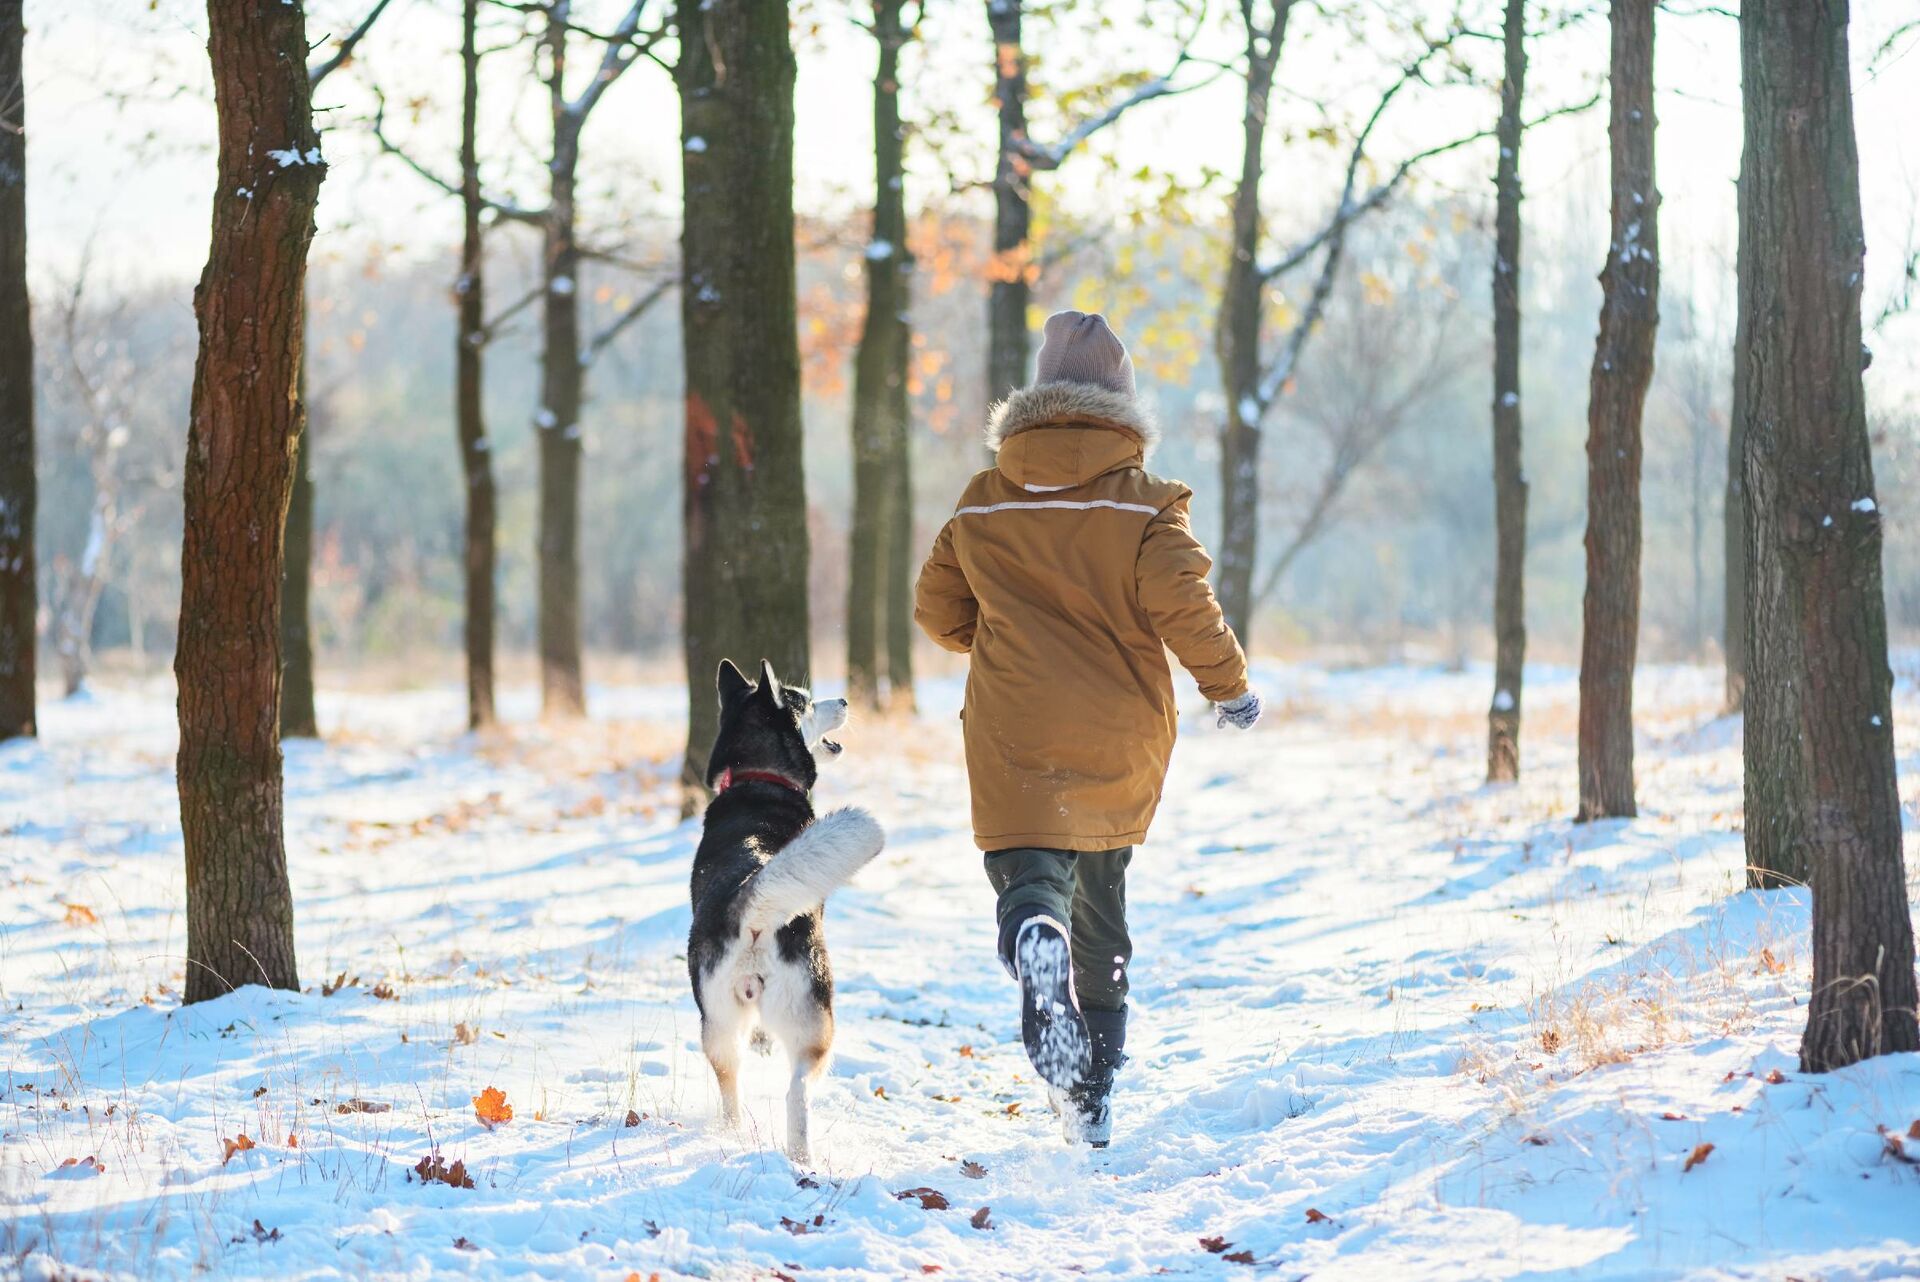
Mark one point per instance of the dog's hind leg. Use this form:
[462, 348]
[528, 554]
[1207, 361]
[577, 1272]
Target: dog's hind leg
[720, 1039]
[807, 1065]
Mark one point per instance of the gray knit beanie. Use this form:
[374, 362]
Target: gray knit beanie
[1079, 348]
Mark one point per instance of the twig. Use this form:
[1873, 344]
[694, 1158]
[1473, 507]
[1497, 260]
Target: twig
[321, 70]
[500, 207]
[640, 308]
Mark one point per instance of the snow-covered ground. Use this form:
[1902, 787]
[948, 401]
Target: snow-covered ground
[1389, 1023]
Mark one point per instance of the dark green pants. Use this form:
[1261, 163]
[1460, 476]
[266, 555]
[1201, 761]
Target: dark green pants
[1087, 892]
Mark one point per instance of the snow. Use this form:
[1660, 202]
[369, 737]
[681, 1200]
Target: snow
[1439, 1015]
[561, 285]
[1509, 398]
[696, 144]
[545, 419]
[1863, 505]
[288, 158]
[1249, 410]
[879, 251]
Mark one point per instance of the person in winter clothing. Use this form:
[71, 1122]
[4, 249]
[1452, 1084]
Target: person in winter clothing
[1066, 573]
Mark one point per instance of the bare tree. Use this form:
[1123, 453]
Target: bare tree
[1622, 369]
[241, 436]
[18, 603]
[1509, 475]
[1814, 535]
[746, 546]
[1733, 628]
[476, 453]
[880, 553]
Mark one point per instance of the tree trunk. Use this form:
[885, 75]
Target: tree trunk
[1733, 627]
[1622, 369]
[744, 487]
[18, 604]
[297, 718]
[1814, 528]
[1237, 338]
[1011, 271]
[562, 691]
[241, 437]
[903, 559]
[1509, 477]
[476, 458]
[879, 380]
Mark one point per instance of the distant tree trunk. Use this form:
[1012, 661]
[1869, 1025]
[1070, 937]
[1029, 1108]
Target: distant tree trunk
[1814, 528]
[18, 604]
[297, 717]
[1509, 477]
[1622, 369]
[902, 562]
[476, 457]
[562, 690]
[745, 489]
[880, 380]
[1733, 628]
[1011, 271]
[241, 436]
[1237, 336]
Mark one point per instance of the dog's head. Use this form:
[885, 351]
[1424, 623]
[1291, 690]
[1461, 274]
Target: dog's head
[771, 726]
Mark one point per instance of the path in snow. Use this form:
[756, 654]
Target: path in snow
[1366, 989]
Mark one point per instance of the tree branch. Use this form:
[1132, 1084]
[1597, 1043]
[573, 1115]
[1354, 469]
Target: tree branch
[640, 308]
[321, 70]
[503, 209]
[622, 52]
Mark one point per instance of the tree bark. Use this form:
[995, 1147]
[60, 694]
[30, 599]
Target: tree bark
[1814, 528]
[1237, 336]
[241, 437]
[880, 384]
[744, 487]
[297, 717]
[18, 602]
[1622, 369]
[1509, 476]
[1733, 627]
[1011, 271]
[562, 690]
[476, 457]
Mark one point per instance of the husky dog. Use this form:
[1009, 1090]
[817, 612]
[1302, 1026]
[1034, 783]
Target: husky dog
[761, 877]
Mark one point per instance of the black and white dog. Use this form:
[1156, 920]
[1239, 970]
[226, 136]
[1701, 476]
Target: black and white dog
[756, 953]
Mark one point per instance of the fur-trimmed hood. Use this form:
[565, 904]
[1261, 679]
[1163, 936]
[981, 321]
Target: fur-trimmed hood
[1069, 405]
[1055, 436]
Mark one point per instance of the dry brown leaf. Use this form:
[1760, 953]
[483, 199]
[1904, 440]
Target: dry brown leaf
[1549, 1040]
[491, 1107]
[1214, 1244]
[879, 1092]
[1013, 1109]
[1696, 1157]
[980, 1219]
[384, 991]
[633, 1118]
[293, 1141]
[1673, 1117]
[1775, 1077]
[432, 1169]
[930, 1199]
[1769, 963]
[238, 1144]
[358, 1105]
[1538, 1140]
[1317, 1216]
[465, 1034]
[966, 1051]
[1913, 1132]
[973, 1170]
[1239, 1257]
[81, 915]
[929, 1268]
[87, 1163]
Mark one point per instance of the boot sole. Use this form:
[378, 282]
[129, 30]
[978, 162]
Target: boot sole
[1051, 1025]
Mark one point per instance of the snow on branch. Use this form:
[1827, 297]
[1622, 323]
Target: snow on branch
[625, 46]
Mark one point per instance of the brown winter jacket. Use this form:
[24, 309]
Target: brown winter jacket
[1062, 572]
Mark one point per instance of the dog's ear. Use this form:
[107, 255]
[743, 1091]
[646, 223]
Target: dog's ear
[770, 685]
[732, 683]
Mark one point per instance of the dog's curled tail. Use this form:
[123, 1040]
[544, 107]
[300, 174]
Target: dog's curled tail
[810, 867]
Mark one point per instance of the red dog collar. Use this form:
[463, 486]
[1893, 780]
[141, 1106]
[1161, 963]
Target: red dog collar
[730, 777]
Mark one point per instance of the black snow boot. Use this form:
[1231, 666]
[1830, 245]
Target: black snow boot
[1087, 1115]
[1051, 1024]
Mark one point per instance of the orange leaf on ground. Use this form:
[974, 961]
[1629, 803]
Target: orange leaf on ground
[81, 915]
[1673, 1117]
[1696, 1157]
[1214, 1244]
[930, 1199]
[1775, 1077]
[1239, 1257]
[491, 1107]
[238, 1144]
[1913, 1132]
[966, 1052]
[1317, 1216]
[980, 1218]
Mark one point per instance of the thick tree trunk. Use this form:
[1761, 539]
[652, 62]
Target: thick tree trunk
[297, 717]
[1509, 477]
[476, 456]
[1733, 628]
[18, 604]
[1011, 272]
[562, 690]
[1622, 369]
[880, 381]
[745, 489]
[1814, 528]
[1237, 338]
[241, 437]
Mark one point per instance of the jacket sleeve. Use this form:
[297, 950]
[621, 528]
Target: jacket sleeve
[943, 602]
[1172, 578]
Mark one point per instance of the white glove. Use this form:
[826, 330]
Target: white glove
[1239, 713]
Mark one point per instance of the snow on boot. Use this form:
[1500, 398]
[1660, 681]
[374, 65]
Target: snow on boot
[1050, 1021]
[1086, 1108]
